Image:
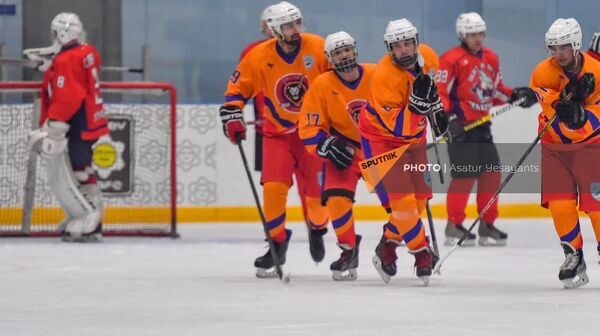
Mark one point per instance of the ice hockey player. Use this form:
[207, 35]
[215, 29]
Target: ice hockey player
[72, 120]
[566, 84]
[401, 99]
[315, 237]
[328, 128]
[283, 68]
[470, 83]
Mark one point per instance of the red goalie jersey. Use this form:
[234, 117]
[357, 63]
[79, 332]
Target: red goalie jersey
[469, 85]
[71, 91]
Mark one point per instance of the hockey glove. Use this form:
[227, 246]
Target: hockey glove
[337, 151]
[422, 91]
[523, 92]
[437, 117]
[49, 140]
[580, 89]
[233, 123]
[456, 130]
[571, 113]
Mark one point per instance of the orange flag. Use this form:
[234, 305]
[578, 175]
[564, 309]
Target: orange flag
[374, 169]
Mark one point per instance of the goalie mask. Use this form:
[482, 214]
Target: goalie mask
[401, 30]
[65, 28]
[338, 42]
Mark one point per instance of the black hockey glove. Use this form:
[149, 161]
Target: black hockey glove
[337, 151]
[437, 117]
[523, 92]
[456, 130]
[571, 113]
[580, 89]
[422, 91]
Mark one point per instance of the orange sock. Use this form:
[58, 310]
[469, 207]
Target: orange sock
[275, 198]
[566, 221]
[317, 213]
[340, 209]
[408, 225]
[595, 217]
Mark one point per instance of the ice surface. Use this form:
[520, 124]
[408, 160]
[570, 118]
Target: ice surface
[204, 284]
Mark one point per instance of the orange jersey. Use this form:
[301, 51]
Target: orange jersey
[386, 115]
[332, 106]
[284, 78]
[548, 80]
[469, 85]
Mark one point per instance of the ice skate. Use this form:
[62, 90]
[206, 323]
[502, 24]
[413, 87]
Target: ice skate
[316, 245]
[84, 229]
[455, 232]
[489, 235]
[423, 263]
[265, 267]
[572, 271]
[385, 258]
[92, 237]
[344, 269]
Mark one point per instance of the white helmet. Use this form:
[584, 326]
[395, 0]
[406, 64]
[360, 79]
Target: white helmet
[66, 27]
[339, 40]
[264, 27]
[565, 31]
[400, 30]
[468, 23]
[280, 14]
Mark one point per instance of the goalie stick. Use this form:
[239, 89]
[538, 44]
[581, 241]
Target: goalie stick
[34, 64]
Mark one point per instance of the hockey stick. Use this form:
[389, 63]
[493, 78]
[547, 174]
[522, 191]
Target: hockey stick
[278, 269]
[436, 250]
[482, 120]
[493, 199]
[34, 64]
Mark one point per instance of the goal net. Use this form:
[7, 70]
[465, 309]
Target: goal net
[135, 164]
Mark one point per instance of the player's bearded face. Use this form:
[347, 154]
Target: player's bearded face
[405, 53]
[563, 54]
[291, 32]
[474, 41]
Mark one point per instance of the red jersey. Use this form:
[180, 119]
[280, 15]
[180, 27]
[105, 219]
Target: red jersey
[548, 80]
[71, 86]
[284, 78]
[469, 85]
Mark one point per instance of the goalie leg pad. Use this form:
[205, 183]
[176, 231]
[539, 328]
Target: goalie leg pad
[81, 202]
[65, 186]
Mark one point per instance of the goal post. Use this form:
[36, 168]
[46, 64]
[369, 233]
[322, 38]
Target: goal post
[135, 164]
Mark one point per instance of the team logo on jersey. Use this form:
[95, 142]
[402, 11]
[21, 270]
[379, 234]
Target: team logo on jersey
[309, 61]
[484, 86]
[89, 60]
[354, 108]
[290, 90]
